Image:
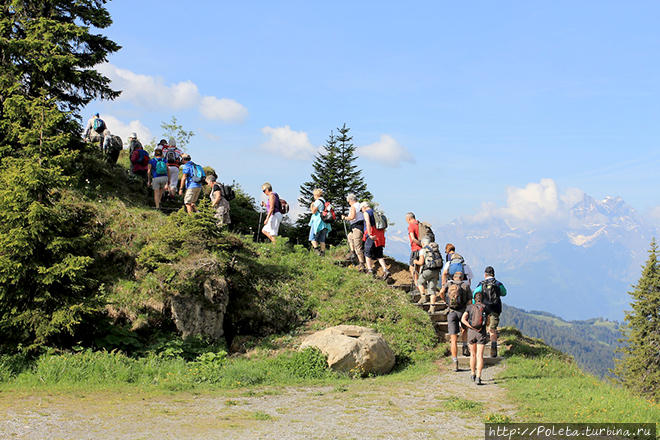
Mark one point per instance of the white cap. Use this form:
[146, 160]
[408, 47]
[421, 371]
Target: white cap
[133, 136]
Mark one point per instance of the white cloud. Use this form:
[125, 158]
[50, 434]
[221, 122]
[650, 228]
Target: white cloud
[223, 109]
[123, 130]
[152, 93]
[386, 151]
[288, 143]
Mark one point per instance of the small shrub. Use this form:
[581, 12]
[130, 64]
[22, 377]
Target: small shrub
[497, 418]
[309, 363]
[459, 404]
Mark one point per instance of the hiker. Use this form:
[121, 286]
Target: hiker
[273, 212]
[415, 245]
[318, 227]
[219, 203]
[455, 263]
[112, 146]
[356, 219]
[133, 143]
[96, 130]
[158, 175]
[475, 320]
[492, 290]
[430, 262]
[191, 179]
[456, 294]
[374, 242]
[140, 162]
[173, 157]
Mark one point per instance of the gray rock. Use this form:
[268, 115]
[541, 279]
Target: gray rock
[353, 348]
[202, 315]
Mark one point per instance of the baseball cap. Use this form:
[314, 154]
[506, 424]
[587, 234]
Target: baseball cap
[489, 271]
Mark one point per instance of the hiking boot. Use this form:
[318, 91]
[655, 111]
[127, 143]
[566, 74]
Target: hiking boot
[456, 365]
[317, 251]
[386, 275]
[422, 299]
[466, 351]
[493, 349]
[432, 309]
[473, 377]
[479, 381]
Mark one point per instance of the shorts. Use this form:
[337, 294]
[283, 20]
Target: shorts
[319, 237]
[371, 250]
[355, 239]
[429, 279]
[477, 336]
[273, 225]
[454, 323]
[413, 256]
[492, 321]
[159, 182]
[174, 177]
[191, 196]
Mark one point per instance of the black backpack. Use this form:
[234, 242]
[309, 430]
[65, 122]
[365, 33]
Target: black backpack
[99, 125]
[491, 291]
[228, 192]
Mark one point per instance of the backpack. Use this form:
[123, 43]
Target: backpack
[98, 125]
[173, 156]
[491, 291]
[426, 231]
[143, 157]
[456, 264]
[478, 316]
[115, 144]
[380, 220]
[161, 167]
[328, 214]
[432, 257]
[227, 192]
[198, 173]
[284, 207]
[456, 295]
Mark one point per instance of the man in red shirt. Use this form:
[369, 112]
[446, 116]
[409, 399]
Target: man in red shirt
[415, 245]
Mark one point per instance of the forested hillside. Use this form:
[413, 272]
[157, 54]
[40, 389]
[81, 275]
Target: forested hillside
[592, 342]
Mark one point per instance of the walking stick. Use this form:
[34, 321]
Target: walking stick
[346, 232]
[261, 211]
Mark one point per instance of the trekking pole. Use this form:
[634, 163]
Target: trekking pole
[261, 211]
[346, 232]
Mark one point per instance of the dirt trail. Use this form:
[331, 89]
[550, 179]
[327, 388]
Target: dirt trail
[362, 410]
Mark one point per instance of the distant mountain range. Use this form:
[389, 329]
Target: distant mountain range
[591, 342]
[576, 259]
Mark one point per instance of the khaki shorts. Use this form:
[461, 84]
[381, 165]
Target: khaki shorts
[492, 321]
[192, 194]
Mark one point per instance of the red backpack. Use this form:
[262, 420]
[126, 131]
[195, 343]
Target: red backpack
[328, 214]
[478, 316]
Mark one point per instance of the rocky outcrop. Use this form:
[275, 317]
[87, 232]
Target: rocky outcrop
[202, 315]
[351, 348]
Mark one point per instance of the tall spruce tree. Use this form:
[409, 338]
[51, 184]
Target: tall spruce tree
[639, 367]
[47, 235]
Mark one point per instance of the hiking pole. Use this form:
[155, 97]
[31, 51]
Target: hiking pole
[261, 211]
[348, 242]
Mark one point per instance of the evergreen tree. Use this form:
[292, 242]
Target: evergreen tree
[639, 368]
[47, 234]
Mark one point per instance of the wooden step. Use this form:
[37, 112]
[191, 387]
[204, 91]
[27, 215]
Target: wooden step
[427, 305]
[438, 317]
[440, 326]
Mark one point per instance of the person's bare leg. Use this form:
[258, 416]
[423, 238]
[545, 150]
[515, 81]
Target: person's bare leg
[382, 264]
[473, 358]
[480, 359]
[158, 193]
[189, 208]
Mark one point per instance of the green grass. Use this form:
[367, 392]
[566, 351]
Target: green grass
[549, 387]
[459, 404]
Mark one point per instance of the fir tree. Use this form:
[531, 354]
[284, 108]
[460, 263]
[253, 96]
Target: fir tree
[639, 367]
[47, 234]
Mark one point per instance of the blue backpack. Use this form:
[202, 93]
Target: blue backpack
[456, 264]
[198, 173]
[161, 167]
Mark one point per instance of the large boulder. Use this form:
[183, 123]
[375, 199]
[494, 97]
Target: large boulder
[351, 348]
[202, 315]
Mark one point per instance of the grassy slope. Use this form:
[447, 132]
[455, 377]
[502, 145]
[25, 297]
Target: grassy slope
[549, 387]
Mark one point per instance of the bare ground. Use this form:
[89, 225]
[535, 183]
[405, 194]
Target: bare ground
[365, 409]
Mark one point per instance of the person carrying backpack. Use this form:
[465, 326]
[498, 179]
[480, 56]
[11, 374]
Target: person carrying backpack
[140, 162]
[158, 176]
[356, 219]
[133, 143]
[96, 131]
[218, 200]
[319, 222]
[492, 290]
[430, 262]
[112, 146]
[474, 319]
[192, 178]
[273, 212]
[415, 245]
[456, 293]
[374, 241]
[455, 263]
[173, 157]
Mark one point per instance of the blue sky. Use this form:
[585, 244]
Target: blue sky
[459, 102]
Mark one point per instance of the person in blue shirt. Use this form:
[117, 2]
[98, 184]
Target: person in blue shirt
[158, 176]
[318, 229]
[193, 188]
[492, 291]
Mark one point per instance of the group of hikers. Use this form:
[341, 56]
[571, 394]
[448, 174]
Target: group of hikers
[472, 315]
[169, 172]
